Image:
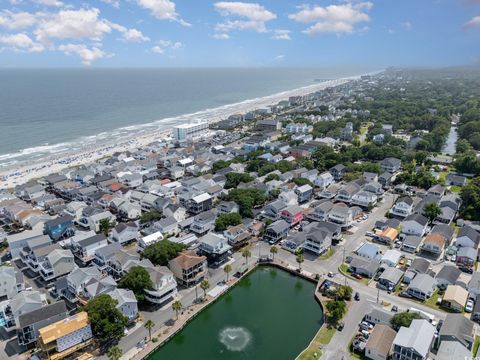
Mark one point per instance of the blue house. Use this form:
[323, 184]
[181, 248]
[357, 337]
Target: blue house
[61, 227]
[304, 193]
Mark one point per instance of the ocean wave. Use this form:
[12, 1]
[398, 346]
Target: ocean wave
[106, 137]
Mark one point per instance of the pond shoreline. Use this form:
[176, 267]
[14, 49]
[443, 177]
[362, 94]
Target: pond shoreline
[167, 333]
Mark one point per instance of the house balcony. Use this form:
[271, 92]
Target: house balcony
[160, 296]
[399, 212]
[46, 271]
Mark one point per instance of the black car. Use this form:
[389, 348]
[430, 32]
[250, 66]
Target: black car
[394, 308]
[341, 326]
[466, 269]
[357, 296]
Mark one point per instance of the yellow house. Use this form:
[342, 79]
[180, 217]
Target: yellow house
[455, 298]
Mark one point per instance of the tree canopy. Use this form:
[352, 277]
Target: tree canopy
[404, 319]
[470, 194]
[160, 253]
[107, 322]
[247, 199]
[223, 221]
[137, 279]
[233, 179]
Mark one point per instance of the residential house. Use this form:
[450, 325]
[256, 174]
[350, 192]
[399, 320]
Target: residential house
[330, 192]
[364, 267]
[448, 275]
[304, 193]
[378, 316]
[31, 238]
[57, 263]
[22, 303]
[12, 282]
[391, 258]
[164, 285]
[129, 211]
[467, 237]
[30, 323]
[390, 278]
[318, 239]
[421, 287]
[200, 203]
[167, 225]
[407, 345]
[237, 236]
[203, 222]
[66, 336]
[93, 221]
[61, 227]
[292, 214]
[403, 207]
[414, 224]
[324, 180]
[227, 207]
[370, 177]
[321, 209]
[457, 327]
[455, 180]
[364, 199]
[126, 302]
[338, 171]
[467, 256]
[215, 248]
[434, 243]
[124, 233]
[411, 243]
[343, 215]
[85, 249]
[474, 284]
[385, 179]
[452, 350]
[188, 268]
[368, 251]
[391, 164]
[386, 236]
[455, 298]
[347, 191]
[276, 231]
[380, 342]
[151, 239]
[273, 209]
[104, 254]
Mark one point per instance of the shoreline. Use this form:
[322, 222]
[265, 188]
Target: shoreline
[22, 173]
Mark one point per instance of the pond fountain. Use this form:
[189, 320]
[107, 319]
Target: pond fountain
[235, 338]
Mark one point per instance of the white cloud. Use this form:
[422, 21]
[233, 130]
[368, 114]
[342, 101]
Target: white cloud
[18, 20]
[221, 36]
[21, 41]
[252, 16]
[73, 24]
[279, 57]
[407, 25]
[87, 55]
[280, 34]
[164, 45]
[474, 22]
[114, 3]
[339, 19]
[48, 2]
[129, 35]
[163, 10]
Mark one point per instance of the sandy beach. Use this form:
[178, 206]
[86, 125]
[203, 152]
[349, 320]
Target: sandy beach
[26, 171]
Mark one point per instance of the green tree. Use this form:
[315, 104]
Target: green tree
[273, 251]
[404, 319]
[227, 268]
[432, 211]
[107, 322]
[470, 195]
[115, 353]
[177, 307]
[300, 259]
[336, 309]
[271, 177]
[247, 199]
[234, 179]
[219, 165]
[149, 325]
[136, 279]
[205, 285]
[344, 292]
[106, 225]
[223, 221]
[246, 254]
[150, 216]
[160, 253]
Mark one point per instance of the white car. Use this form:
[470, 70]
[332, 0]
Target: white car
[469, 306]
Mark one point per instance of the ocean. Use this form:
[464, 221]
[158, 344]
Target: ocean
[48, 111]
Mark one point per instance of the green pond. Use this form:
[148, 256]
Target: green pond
[270, 314]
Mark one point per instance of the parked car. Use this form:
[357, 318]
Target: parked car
[357, 296]
[466, 269]
[330, 274]
[453, 258]
[341, 326]
[357, 276]
[469, 306]
[394, 308]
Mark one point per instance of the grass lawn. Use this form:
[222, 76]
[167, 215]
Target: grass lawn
[323, 337]
[344, 270]
[327, 255]
[475, 345]
[455, 189]
[432, 302]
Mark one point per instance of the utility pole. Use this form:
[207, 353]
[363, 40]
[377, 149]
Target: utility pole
[378, 295]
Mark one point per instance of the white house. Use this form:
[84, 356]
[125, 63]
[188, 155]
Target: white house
[414, 224]
[124, 233]
[149, 240]
[403, 207]
[324, 180]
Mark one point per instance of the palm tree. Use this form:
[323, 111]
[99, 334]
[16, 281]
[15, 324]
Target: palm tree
[177, 306]
[300, 260]
[149, 324]
[246, 254]
[205, 285]
[273, 251]
[115, 353]
[227, 269]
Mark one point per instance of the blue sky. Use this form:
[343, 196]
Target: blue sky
[198, 33]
